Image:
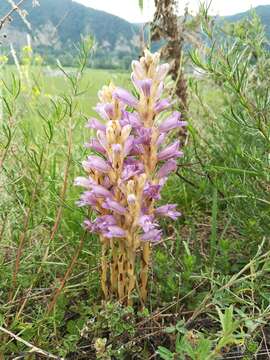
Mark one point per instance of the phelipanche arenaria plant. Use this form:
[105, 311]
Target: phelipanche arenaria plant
[130, 163]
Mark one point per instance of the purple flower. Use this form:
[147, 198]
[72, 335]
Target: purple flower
[117, 148]
[100, 191]
[125, 97]
[167, 168]
[87, 199]
[162, 105]
[101, 224]
[114, 231]
[171, 151]
[172, 122]
[106, 182]
[152, 236]
[161, 139]
[105, 220]
[168, 210]
[96, 163]
[130, 119]
[152, 191]
[131, 170]
[143, 85]
[147, 222]
[102, 111]
[109, 110]
[128, 145]
[84, 182]
[95, 145]
[95, 124]
[114, 206]
[89, 225]
[102, 139]
[144, 136]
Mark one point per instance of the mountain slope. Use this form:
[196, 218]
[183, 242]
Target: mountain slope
[59, 24]
[263, 12]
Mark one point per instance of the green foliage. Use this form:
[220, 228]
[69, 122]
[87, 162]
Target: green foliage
[198, 346]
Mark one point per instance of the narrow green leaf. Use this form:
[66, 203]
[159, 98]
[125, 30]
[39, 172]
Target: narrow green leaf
[213, 239]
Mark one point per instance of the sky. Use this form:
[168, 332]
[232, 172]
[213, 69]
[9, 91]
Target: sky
[129, 9]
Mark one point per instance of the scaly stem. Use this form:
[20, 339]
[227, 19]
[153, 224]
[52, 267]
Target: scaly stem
[114, 267]
[131, 274]
[145, 262]
[104, 266]
[121, 272]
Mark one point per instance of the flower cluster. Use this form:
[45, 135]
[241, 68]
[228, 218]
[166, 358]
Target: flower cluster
[125, 177]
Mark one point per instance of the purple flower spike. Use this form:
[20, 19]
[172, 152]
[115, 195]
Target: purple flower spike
[125, 97]
[96, 163]
[162, 105]
[95, 145]
[168, 210]
[95, 124]
[84, 182]
[171, 151]
[172, 122]
[152, 235]
[167, 168]
[114, 206]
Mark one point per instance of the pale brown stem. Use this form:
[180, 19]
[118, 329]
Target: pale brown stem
[104, 267]
[145, 262]
[131, 275]
[114, 267]
[121, 272]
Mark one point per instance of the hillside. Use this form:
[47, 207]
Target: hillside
[58, 24]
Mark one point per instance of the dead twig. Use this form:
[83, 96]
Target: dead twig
[33, 348]
[7, 16]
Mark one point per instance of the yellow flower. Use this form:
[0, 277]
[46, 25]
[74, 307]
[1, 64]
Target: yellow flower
[3, 59]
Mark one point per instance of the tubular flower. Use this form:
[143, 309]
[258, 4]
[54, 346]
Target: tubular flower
[131, 164]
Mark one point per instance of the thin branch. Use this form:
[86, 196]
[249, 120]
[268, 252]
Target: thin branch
[7, 16]
[33, 348]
